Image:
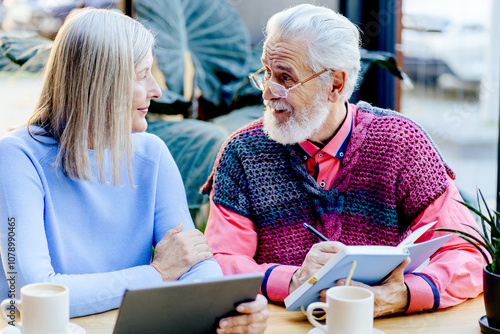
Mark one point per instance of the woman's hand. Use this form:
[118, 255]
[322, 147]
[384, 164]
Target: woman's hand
[252, 320]
[178, 251]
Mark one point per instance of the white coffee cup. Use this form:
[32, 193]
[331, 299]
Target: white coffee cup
[349, 310]
[44, 309]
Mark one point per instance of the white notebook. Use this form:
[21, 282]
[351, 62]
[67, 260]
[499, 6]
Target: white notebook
[373, 264]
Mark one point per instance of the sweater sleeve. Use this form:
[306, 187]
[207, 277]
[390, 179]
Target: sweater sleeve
[24, 245]
[454, 272]
[233, 240]
[171, 208]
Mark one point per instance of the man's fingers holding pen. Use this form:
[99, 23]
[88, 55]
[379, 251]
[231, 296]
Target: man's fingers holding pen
[326, 248]
[318, 255]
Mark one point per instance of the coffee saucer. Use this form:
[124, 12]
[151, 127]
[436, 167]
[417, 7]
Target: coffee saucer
[485, 327]
[71, 328]
[319, 331]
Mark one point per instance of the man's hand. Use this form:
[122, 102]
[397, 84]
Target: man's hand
[390, 297]
[318, 255]
[253, 319]
[178, 251]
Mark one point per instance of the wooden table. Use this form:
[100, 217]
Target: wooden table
[461, 319]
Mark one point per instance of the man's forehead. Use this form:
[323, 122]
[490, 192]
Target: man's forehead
[279, 66]
[286, 55]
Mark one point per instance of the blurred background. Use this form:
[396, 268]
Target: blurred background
[449, 49]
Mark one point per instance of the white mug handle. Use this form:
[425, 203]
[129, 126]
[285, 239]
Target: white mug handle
[11, 307]
[312, 319]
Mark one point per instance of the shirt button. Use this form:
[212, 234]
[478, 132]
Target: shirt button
[322, 184]
[321, 155]
[305, 157]
[341, 154]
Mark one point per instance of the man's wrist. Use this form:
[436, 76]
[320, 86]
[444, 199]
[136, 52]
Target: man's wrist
[294, 283]
[408, 298]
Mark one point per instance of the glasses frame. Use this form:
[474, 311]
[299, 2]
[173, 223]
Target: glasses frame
[262, 84]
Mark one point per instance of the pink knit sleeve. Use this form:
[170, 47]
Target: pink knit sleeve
[233, 240]
[454, 272]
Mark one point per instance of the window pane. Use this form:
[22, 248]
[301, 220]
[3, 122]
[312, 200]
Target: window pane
[449, 56]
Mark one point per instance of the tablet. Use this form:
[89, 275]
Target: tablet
[185, 307]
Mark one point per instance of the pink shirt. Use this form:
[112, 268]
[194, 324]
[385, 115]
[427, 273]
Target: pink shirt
[453, 274]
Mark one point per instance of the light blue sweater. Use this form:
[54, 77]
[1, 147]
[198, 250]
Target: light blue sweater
[94, 238]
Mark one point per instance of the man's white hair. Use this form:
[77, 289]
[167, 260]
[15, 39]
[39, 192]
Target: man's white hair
[333, 41]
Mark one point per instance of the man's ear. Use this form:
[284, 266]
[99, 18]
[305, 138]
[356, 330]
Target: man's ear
[338, 85]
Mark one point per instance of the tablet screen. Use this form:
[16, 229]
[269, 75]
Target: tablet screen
[185, 307]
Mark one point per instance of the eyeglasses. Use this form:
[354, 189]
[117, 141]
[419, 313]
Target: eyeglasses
[277, 89]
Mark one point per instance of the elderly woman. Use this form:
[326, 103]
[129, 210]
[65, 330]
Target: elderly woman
[86, 192]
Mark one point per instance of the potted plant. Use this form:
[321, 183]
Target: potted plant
[488, 243]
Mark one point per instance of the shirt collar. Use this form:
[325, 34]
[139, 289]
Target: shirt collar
[337, 146]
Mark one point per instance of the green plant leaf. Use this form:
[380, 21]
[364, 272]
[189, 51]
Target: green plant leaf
[490, 234]
[491, 247]
[486, 259]
[473, 209]
[213, 34]
[487, 245]
[496, 242]
[482, 217]
[493, 221]
[474, 241]
[477, 247]
[496, 231]
[381, 58]
[485, 204]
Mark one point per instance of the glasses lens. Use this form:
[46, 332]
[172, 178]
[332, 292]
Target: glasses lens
[258, 82]
[277, 89]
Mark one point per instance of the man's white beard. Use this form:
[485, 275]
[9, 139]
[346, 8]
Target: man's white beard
[301, 124]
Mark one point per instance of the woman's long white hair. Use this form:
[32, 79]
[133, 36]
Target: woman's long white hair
[86, 98]
[333, 41]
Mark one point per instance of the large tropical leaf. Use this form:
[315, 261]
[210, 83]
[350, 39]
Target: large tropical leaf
[385, 60]
[23, 52]
[213, 34]
[194, 145]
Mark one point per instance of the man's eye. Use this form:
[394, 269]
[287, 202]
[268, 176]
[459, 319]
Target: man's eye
[285, 78]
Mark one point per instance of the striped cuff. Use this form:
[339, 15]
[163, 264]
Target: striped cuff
[264, 281]
[276, 283]
[424, 294]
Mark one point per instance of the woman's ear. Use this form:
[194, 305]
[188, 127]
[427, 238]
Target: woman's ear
[338, 85]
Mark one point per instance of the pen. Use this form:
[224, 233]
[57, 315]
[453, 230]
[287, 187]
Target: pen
[315, 232]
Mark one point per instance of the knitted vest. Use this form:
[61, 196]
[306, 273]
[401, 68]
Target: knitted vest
[390, 173]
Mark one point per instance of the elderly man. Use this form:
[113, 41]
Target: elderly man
[358, 174]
